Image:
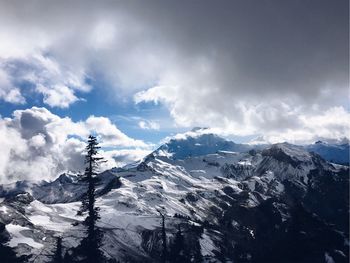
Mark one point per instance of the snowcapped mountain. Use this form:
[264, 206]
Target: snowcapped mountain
[197, 145]
[233, 202]
[66, 188]
[336, 152]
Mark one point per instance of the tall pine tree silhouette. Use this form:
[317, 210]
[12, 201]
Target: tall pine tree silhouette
[177, 248]
[57, 258]
[164, 244]
[89, 250]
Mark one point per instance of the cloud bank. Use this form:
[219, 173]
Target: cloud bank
[39, 145]
[243, 67]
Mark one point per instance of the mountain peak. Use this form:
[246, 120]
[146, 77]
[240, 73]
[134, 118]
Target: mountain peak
[197, 144]
[339, 141]
[68, 177]
[287, 152]
[197, 129]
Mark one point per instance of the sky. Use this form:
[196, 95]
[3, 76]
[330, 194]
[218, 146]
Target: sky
[137, 72]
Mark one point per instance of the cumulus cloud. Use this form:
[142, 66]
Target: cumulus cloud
[8, 92]
[44, 75]
[243, 67]
[39, 145]
[332, 124]
[109, 134]
[277, 121]
[57, 96]
[126, 156]
[37, 141]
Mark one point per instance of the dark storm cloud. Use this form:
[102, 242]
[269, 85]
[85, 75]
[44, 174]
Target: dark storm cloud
[259, 46]
[283, 46]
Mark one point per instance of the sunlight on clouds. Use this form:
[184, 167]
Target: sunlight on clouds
[40, 145]
[8, 92]
[103, 34]
[332, 124]
[206, 72]
[125, 156]
[57, 96]
[277, 121]
[149, 125]
[109, 134]
[55, 82]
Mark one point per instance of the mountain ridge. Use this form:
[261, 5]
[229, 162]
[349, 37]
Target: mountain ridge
[222, 197]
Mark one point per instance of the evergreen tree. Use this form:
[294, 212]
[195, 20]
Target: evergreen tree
[57, 258]
[185, 246]
[89, 250]
[68, 258]
[164, 243]
[197, 254]
[177, 249]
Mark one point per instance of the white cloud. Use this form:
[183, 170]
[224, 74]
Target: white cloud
[126, 156]
[103, 34]
[149, 125]
[279, 119]
[331, 125]
[57, 96]
[109, 134]
[37, 141]
[39, 145]
[57, 83]
[8, 92]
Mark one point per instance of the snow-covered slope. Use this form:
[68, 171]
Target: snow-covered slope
[229, 193]
[66, 188]
[197, 145]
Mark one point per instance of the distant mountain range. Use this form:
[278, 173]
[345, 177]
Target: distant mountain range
[233, 202]
[336, 152]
